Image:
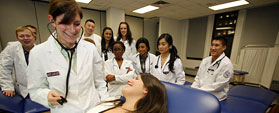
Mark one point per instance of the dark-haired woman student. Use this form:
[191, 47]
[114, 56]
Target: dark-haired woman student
[125, 36]
[118, 70]
[168, 65]
[143, 61]
[106, 44]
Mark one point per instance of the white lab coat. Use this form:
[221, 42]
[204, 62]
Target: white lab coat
[12, 64]
[121, 76]
[130, 50]
[110, 55]
[85, 87]
[217, 80]
[150, 62]
[97, 39]
[178, 77]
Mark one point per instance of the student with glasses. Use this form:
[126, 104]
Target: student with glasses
[118, 70]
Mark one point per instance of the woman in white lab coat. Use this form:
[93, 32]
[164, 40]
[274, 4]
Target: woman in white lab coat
[168, 66]
[14, 63]
[65, 72]
[118, 70]
[125, 36]
[143, 61]
[106, 44]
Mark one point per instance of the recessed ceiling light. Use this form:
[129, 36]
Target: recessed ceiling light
[145, 9]
[83, 1]
[229, 5]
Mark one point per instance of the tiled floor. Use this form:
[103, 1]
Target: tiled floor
[190, 78]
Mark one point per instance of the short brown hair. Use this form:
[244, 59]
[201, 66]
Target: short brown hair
[69, 7]
[89, 40]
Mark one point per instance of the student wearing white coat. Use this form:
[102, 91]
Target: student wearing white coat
[118, 70]
[89, 28]
[168, 66]
[125, 36]
[14, 61]
[106, 44]
[65, 72]
[215, 72]
[144, 61]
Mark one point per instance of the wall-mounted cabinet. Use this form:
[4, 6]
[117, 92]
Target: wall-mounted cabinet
[224, 26]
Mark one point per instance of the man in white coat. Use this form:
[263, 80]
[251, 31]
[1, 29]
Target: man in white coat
[14, 60]
[89, 28]
[215, 71]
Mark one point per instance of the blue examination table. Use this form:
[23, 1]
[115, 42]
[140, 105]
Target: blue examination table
[247, 99]
[17, 104]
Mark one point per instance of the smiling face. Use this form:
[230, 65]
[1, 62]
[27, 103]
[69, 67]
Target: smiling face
[67, 33]
[217, 48]
[135, 87]
[123, 29]
[26, 38]
[118, 51]
[142, 49]
[107, 34]
[164, 46]
[89, 28]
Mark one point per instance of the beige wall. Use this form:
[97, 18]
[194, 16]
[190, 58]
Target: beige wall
[261, 26]
[151, 33]
[15, 13]
[136, 26]
[196, 37]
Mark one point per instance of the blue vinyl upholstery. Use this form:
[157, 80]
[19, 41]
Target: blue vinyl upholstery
[188, 100]
[240, 105]
[260, 95]
[17, 104]
[11, 104]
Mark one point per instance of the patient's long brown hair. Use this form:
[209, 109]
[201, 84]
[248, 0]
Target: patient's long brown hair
[155, 100]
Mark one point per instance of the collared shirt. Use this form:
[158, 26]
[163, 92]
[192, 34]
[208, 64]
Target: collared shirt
[26, 55]
[65, 54]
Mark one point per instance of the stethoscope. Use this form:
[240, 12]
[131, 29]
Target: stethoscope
[216, 64]
[62, 100]
[156, 66]
[144, 63]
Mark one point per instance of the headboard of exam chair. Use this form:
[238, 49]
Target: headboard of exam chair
[188, 100]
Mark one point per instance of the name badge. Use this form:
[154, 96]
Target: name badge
[51, 74]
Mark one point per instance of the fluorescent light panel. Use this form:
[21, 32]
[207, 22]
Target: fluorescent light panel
[83, 1]
[145, 9]
[229, 5]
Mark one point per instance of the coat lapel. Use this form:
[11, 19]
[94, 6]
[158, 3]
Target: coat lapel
[81, 54]
[21, 57]
[56, 57]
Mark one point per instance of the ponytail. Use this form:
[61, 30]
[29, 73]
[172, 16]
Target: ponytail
[173, 57]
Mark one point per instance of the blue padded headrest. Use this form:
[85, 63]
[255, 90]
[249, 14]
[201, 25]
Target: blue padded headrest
[188, 100]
